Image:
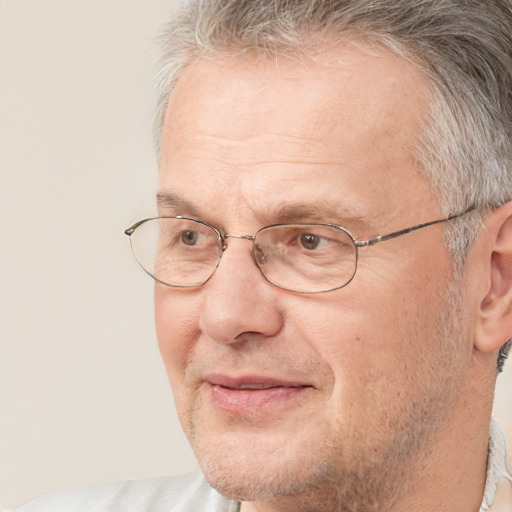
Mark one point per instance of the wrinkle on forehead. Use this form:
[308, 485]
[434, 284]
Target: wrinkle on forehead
[276, 148]
[241, 136]
[259, 80]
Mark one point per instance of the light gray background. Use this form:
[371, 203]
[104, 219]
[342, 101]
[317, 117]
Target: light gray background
[83, 395]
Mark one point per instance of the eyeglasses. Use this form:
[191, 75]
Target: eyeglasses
[299, 257]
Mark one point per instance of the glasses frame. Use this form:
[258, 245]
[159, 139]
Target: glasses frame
[222, 237]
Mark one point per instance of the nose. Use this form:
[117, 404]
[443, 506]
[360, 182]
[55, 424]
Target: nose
[239, 302]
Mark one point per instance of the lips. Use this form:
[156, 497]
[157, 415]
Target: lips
[248, 394]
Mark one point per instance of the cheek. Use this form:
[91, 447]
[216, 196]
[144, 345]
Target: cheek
[341, 327]
[176, 329]
[376, 331]
[177, 332]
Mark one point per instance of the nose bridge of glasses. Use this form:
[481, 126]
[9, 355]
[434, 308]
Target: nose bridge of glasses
[250, 238]
[241, 237]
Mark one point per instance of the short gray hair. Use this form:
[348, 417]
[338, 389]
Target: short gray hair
[464, 47]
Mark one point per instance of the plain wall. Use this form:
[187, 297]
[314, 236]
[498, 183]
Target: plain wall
[83, 395]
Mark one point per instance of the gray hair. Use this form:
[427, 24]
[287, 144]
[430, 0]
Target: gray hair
[464, 47]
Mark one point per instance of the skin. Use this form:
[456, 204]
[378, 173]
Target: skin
[379, 394]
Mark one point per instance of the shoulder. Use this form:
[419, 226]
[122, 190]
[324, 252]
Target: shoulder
[184, 493]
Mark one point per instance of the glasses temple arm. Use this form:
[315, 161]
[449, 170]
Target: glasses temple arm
[395, 234]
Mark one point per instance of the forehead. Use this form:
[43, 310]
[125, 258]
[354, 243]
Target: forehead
[346, 123]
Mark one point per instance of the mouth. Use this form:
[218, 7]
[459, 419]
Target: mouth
[249, 394]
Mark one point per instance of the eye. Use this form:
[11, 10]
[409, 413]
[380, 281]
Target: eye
[309, 241]
[190, 237]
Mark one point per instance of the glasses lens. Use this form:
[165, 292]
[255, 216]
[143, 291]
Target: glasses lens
[177, 252]
[308, 258]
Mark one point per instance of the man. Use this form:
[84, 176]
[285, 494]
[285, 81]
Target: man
[333, 255]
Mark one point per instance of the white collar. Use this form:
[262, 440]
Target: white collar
[496, 466]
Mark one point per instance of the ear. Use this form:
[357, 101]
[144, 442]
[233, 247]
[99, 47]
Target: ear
[494, 325]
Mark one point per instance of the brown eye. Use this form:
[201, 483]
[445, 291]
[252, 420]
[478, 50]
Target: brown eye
[309, 241]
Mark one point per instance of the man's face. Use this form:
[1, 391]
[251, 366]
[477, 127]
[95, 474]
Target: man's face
[282, 393]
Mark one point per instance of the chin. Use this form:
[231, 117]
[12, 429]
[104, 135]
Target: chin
[306, 468]
[245, 480]
[257, 465]
[306, 485]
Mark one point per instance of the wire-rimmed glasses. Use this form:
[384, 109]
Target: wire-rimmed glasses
[299, 257]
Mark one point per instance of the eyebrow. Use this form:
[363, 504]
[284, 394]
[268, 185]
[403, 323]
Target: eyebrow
[327, 213]
[177, 204]
[333, 214]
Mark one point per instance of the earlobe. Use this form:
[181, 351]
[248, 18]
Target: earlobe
[494, 326]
